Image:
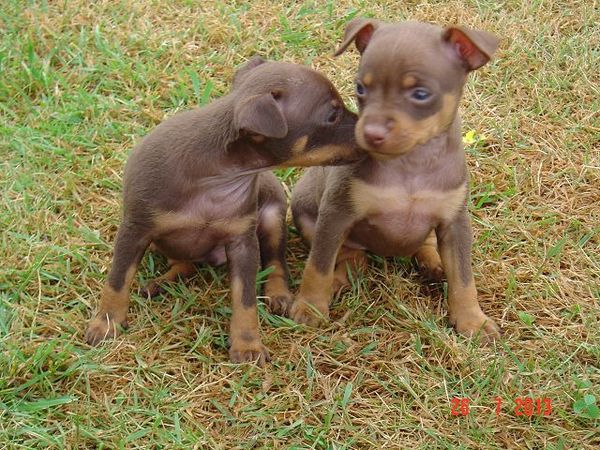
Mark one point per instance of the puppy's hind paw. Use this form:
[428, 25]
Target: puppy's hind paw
[280, 304]
[152, 289]
[103, 327]
[435, 273]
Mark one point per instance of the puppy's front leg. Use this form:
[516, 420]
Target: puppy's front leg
[465, 314]
[130, 245]
[243, 257]
[311, 305]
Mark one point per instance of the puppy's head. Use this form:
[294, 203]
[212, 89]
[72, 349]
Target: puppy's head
[293, 115]
[410, 80]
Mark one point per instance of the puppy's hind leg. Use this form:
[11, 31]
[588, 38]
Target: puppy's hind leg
[272, 237]
[130, 245]
[348, 259]
[429, 260]
[305, 206]
[178, 270]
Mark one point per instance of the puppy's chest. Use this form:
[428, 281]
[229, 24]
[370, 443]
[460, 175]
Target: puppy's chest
[403, 207]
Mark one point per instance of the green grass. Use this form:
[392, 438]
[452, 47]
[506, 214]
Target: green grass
[81, 82]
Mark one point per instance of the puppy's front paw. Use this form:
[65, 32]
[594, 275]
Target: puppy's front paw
[280, 304]
[308, 313]
[473, 323]
[243, 351]
[104, 326]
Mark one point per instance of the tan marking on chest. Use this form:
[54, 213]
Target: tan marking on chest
[174, 221]
[370, 200]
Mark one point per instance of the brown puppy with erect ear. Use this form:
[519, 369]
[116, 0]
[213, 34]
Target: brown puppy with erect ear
[409, 197]
[197, 189]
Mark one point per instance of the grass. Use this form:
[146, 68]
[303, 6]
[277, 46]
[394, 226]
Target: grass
[80, 82]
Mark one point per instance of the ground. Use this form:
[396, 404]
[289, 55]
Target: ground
[81, 82]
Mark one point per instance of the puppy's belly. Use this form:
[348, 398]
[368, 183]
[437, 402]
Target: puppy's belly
[390, 234]
[187, 237]
[198, 245]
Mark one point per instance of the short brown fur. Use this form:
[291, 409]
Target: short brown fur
[409, 196]
[198, 189]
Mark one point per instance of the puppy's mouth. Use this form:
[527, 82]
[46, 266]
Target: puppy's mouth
[386, 150]
[329, 155]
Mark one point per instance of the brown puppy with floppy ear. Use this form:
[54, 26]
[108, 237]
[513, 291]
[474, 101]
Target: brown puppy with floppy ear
[410, 194]
[194, 191]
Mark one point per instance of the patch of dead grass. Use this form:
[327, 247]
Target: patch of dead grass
[384, 371]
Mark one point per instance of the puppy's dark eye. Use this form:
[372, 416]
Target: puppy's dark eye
[360, 89]
[333, 116]
[420, 94]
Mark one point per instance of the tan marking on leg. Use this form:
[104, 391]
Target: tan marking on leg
[464, 311]
[277, 290]
[348, 259]
[312, 303]
[315, 283]
[178, 270]
[271, 224]
[368, 79]
[307, 227]
[246, 345]
[112, 313]
[429, 260]
[237, 290]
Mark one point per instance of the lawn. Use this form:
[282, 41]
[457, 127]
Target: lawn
[81, 82]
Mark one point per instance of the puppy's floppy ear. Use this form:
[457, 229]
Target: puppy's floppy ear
[244, 69]
[260, 114]
[475, 48]
[360, 31]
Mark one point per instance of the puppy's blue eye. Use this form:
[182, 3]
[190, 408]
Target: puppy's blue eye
[360, 89]
[420, 94]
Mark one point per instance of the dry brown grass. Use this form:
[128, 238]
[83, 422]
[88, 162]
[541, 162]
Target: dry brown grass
[82, 82]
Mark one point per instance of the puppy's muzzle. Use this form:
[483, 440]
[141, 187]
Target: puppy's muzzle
[374, 131]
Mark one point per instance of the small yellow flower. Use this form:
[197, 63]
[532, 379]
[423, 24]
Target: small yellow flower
[471, 137]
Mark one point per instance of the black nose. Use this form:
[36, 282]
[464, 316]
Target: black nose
[375, 134]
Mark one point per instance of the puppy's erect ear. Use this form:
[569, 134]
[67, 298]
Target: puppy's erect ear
[261, 114]
[244, 69]
[475, 48]
[360, 31]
